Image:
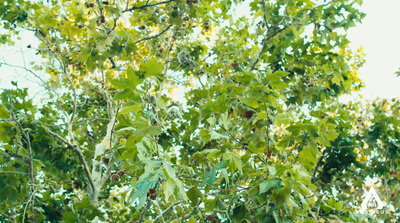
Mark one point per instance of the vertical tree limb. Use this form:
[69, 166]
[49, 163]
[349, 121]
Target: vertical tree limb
[144, 210]
[78, 151]
[99, 179]
[30, 155]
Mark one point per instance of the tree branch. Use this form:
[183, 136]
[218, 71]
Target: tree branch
[264, 43]
[12, 172]
[78, 151]
[165, 211]
[22, 158]
[63, 67]
[30, 155]
[8, 216]
[268, 148]
[146, 5]
[23, 68]
[155, 36]
[114, 64]
[114, 160]
[315, 168]
[144, 210]
[41, 82]
[247, 148]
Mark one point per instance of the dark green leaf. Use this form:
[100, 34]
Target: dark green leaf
[239, 212]
[268, 184]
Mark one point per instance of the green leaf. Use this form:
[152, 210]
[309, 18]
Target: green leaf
[251, 101]
[152, 67]
[239, 212]
[281, 169]
[246, 77]
[177, 20]
[192, 220]
[150, 114]
[204, 135]
[211, 153]
[7, 131]
[151, 130]
[85, 202]
[282, 118]
[120, 83]
[283, 194]
[309, 155]
[210, 176]
[326, 132]
[8, 193]
[268, 184]
[234, 161]
[130, 153]
[225, 120]
[85, 55]
[172, 183]
[130, 82]
[125, 94]
[140, 195]
[337, 79]
[195, 196]
[134, 108]
[70, 217]
[145, 149]
[271, 170]
[133, 78]
[216, 135]
[4, 113]
[332, 204]
[295, 129]
[210, 205]
[311, 129]
[262, 115]
[276, 216]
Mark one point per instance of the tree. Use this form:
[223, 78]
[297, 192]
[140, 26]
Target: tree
[257, 137]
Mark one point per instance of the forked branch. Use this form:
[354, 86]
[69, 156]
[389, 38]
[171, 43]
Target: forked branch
[146, 5]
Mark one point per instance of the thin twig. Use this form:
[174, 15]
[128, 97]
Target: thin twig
[268, 149]
[78, 151]
[12, 211]
[261, 159]
[64, 73]
[244, 145]
[265, 14]
[259, 206]
[8, 216]
[24, 68]
[153, 37]
[12, 172]
[264, 47]
[22, 158]
[190, 177]
[165, 211]
[315, 168]
[28, 144]
[146, 5]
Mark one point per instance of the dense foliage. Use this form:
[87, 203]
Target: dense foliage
[258, 136]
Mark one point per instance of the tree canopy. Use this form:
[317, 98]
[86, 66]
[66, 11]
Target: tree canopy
[188, 111]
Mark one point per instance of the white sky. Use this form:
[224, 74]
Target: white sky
[379, 34]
